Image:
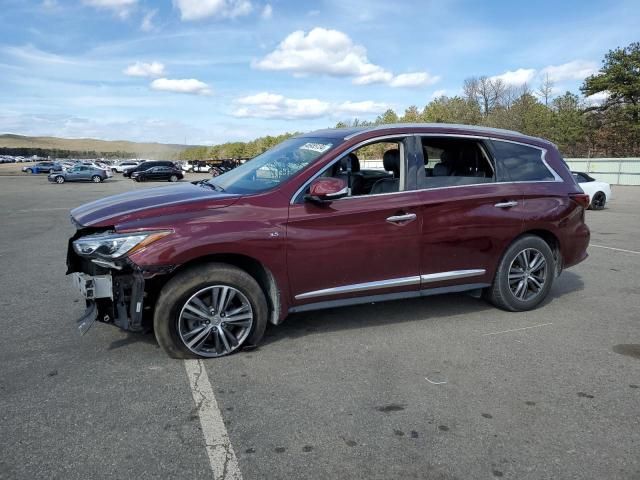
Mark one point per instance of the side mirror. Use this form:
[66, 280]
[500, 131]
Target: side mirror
[327, 189]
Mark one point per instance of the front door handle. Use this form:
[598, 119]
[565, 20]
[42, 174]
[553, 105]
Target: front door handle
[405, 218]
[509, 204]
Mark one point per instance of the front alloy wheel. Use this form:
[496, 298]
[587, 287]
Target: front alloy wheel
[215, 321]
[60, 179]
[96, 179]
[209, 310]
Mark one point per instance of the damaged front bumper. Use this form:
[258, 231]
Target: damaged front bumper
[116, 298]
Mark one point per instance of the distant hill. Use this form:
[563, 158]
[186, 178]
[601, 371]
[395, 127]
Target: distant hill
[141, 150]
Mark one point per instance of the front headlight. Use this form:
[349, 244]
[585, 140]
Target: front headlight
[115, 245]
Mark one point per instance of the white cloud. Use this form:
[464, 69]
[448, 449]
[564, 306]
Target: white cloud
[147, 21]
[575, 70]
[359, 108]
[199, 9]
[331, 52]
[380, 76]
[121, 7]
[516, 77]
[50, 4]
[598, 98]
[267, 11]
[439, 93]
[415, 79]
[185, 85]
[141, 69]
[272, 105]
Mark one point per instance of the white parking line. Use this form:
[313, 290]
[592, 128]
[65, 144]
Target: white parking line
[517, 329]
[616, 249]
[222, 457]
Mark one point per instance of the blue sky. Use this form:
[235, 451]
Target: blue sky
[209, 71]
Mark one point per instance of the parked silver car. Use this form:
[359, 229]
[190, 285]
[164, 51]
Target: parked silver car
[79, 173]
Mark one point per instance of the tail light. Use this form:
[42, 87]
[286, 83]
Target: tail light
[581, 199]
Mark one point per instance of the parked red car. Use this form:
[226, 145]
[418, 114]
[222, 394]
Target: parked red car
[305, 226]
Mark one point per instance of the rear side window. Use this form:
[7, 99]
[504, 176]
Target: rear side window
[521, 163]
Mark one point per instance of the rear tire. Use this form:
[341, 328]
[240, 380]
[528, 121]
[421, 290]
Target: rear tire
[598, 201]
[169, 318]
[96, 179]
[524, 276]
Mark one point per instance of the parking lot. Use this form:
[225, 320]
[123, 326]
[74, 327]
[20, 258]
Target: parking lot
[440, 387]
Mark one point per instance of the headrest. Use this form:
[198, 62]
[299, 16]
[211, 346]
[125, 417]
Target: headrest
[391, 161]
[355, 163]
[441, 170]
[448, 156]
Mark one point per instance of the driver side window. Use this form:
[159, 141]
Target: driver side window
[372, 169]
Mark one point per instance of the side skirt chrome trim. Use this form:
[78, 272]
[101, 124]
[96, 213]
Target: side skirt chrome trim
[441, 276]
[393, 282]
[359, 287]
[343, 302]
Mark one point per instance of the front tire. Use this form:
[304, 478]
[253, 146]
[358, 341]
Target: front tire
[211, 310]
[524, 276]
[598, 201]
[28, 170]
[173, 178]
[59, 179]
[96, 179]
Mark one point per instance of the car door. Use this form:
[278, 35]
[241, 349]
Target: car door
[469, 217]
[355, 246]
[73, 174]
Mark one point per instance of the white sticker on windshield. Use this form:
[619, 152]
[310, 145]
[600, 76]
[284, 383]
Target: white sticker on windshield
[316, 147]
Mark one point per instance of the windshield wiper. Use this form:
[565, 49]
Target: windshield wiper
[211, 185]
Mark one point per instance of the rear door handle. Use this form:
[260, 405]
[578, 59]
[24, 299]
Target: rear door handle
[509, 204]
[407, 217]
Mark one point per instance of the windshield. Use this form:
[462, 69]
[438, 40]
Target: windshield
[273, 166]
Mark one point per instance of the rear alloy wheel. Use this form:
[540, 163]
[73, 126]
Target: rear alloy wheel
[598, 201]
[59, 179]
[96, 179]
[210, 311]
[173, 178]
[524, 276]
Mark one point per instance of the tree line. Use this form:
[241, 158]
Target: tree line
[579, 126]
[58, 153]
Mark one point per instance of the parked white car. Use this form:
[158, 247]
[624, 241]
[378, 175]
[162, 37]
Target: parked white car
[122, 166]
[197, 166]
[599, 192]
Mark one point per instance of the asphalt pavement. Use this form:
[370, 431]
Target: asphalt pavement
[439, 387]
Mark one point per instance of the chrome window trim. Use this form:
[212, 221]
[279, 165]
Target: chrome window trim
[557, 178]
[347, 152]
[393, 282]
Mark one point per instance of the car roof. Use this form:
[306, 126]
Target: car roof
[443, 128]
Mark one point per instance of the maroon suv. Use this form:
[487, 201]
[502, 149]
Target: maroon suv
[331, 218]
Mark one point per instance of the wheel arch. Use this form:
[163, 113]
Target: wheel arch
[253, 267]
[551, 239]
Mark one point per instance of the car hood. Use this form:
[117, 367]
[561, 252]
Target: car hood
[148, 202]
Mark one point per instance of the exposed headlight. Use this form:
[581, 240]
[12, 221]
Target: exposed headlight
[114, 245]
